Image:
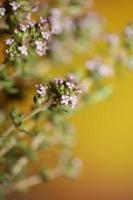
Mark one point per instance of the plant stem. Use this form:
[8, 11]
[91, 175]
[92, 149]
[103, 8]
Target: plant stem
[13, 141]
[24, 184]
[26, 118]
[37, 141]
[34, 180]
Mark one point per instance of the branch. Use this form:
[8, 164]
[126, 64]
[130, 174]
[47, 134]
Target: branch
[34, 180]
[26, 118]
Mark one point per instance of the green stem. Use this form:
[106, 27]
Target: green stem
[34, 180]
[37, 141]
[26, 118]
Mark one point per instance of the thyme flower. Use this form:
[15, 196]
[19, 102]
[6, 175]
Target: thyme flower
[2, 11]
[15, 5]
[9, 41]
[29, 36]
[23, 50]
[55, 20]
[41, 90]
[97, 67]
[59, 92]
[17, 11]
[41, 47]
[112, 39]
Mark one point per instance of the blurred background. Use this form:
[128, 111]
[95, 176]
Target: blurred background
[104, 135]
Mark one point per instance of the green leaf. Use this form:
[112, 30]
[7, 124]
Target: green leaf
[16, 116]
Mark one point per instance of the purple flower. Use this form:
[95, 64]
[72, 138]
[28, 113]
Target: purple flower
[23, 50]
[15, 5]
[41, 90]
[9, 41]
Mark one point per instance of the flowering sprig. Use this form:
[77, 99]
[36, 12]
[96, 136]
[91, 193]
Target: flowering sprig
[27, 38]
[78, 30]
[16, 11]
[11, 138]
[98, 69]
[67, 166]
[60, 92]
[48, 96]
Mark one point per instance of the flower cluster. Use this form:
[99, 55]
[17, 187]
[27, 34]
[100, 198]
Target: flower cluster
[59, 22]
[14, 5]
[97, 68]
[92, 24]
[112, 39]
[28, 37]
[59, 92]
[73, 29]
[2, 12]
[89, 23]
[18, 10]
[55, 19]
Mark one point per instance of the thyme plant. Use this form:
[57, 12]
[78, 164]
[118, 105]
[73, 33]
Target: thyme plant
[35, 37]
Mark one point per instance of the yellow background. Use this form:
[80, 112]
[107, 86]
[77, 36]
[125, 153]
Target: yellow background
[104, 135]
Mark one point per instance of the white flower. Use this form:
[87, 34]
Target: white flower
[9, 41]
[46, 35]
[23, 50]
[2, 11]
[99, 66]
[104, 70]
[14, 5]
[65, 100]
[58, 81]
[43, 20]
[68, 24]
[23, 27]
[31, 23]
[43, 24]
[41, 90]
[93, 64]
[55, 20]
[112, 39]
[71, 77]
[56, 28]
[69, 100]
[70, 85]
[40, 47]
[73, 101]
